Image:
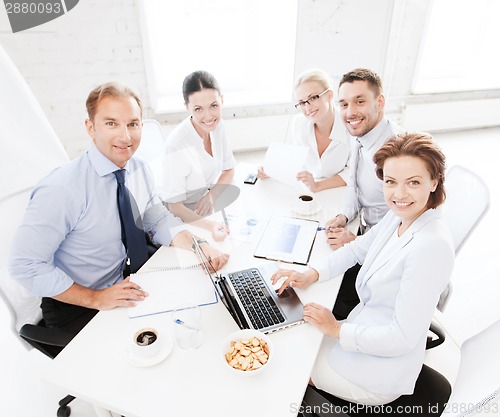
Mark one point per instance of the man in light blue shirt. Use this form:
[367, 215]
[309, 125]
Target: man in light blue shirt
[362, 103]
[69, 249]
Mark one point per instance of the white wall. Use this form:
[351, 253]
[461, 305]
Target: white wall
[96, 42]
[100, 41]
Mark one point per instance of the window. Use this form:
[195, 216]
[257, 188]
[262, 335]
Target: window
[459, 51]
[248, 45]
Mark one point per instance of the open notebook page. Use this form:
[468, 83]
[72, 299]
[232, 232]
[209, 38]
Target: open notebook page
[170, 289]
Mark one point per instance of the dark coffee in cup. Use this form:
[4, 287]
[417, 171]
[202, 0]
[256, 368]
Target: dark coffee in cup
[305, 197]
[146, 338]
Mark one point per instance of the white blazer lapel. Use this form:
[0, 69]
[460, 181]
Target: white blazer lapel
[373, 262]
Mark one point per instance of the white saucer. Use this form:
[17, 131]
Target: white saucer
[168, 344]
[306, 210]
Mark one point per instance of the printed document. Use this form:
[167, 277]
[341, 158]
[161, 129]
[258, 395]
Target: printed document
[283, 161]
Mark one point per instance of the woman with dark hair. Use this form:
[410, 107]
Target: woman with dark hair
[198, 156]
[375, 355]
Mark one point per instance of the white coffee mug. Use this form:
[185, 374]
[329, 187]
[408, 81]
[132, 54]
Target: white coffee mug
[306, 204]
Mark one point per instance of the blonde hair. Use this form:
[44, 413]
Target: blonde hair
[317, 75]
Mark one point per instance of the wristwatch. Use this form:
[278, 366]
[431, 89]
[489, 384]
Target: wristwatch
[199, 242]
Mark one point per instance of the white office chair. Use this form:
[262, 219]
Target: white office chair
[467, 202]
[477, 387]
[152, 142]
[30, 150]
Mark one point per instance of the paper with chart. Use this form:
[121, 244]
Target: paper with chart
[169, 289]
[287, 239]
[283, 161]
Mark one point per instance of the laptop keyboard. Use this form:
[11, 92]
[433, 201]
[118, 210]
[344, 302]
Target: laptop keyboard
[254, 295]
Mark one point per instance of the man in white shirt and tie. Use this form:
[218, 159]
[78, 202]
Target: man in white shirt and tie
[362, 102]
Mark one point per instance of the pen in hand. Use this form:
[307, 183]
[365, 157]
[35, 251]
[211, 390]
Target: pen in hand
[323, 228]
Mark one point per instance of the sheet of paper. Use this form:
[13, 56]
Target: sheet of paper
[244, 228]
[171, 289]
[283, 161]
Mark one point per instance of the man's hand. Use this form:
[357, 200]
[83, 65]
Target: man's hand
[338, 237]
[338, 221]
[217, 258]
[122, 294]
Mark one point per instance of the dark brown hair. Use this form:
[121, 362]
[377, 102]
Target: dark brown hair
[112, 89]
[422, 146]
[364, 74]
[197, 81]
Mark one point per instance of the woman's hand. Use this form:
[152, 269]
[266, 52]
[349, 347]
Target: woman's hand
[205, 205]
[323, 319]
[294, 279]
[261, 175]
[217, 258]
[307, 178]
[219, 231]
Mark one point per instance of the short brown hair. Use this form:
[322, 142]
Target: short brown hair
[422, 146]
[112, 89]
[364, 74]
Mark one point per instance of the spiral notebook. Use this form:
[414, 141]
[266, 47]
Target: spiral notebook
[172, 288]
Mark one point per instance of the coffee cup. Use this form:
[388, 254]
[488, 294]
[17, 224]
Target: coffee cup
[146, 342]
[306, 204]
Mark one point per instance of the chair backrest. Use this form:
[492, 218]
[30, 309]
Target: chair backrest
[152, 142]
[152, 148]
[477, 386]
[467, 202]
[30, 149]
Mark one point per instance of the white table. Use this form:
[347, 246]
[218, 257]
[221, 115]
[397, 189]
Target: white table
[94, 366]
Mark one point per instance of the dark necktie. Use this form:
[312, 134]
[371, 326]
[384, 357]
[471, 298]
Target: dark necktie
[133, 236]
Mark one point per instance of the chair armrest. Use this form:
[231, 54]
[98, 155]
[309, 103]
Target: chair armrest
[439, 332]
[48, 340]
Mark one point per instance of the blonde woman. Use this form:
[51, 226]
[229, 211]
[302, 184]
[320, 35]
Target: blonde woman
[320, 128]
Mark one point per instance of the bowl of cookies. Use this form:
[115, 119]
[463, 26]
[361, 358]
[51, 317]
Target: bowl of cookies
[247, 352]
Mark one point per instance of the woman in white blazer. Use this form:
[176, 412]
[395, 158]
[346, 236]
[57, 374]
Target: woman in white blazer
[376, 354]
[319, 127]
[199, 162]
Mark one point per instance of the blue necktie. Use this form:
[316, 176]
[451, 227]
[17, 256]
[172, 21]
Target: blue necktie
[133, 236]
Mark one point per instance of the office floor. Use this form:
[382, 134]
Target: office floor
[22, 393]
